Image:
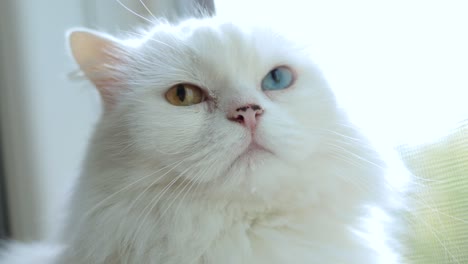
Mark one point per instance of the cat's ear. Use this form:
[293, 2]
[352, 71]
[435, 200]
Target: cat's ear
[97, 54]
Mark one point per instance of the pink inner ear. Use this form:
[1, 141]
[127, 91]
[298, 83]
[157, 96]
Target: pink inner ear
[108, 88]
[103, 78]
[95, 52]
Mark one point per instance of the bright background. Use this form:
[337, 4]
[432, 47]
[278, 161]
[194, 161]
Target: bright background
[403, 61]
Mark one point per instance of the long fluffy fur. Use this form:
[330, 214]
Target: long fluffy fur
[164, 184]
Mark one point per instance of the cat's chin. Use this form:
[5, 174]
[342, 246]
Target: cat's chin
[253, 156]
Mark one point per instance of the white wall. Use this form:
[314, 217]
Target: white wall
[46, 119]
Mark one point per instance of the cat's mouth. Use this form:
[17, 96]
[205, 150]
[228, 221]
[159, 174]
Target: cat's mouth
[254, 147]
[252, 153]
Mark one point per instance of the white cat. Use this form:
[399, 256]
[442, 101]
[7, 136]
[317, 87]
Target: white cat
[218, 144]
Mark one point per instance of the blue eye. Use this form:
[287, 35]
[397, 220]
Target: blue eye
[277, 79]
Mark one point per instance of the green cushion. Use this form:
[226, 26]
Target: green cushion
[438, 230]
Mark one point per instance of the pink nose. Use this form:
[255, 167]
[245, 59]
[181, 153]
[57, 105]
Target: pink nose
[246, 115]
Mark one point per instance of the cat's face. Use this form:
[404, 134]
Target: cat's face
[251, 105]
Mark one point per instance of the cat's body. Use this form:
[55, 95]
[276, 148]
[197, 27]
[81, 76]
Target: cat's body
[173, 184]
[293, 225]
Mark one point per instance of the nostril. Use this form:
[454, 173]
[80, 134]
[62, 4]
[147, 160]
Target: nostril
[258, 112]
[256, 108]
[237, 118]
[240, 119]
[243, 108]
[246, 115]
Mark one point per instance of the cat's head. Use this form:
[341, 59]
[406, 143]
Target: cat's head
[209, 102]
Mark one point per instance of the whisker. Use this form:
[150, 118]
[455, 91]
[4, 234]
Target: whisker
[152, 184]
[424, 203]
[147, 188]
[147, 9]
[133, 12]
[444, 245]
[191, 183]
[151, 205]
[183, 187]
[343, 135]
[340, 148]
[119, 191]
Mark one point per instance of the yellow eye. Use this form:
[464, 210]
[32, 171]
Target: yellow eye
[183, 94]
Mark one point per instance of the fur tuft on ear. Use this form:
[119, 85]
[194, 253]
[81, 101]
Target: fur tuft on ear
[97, 55]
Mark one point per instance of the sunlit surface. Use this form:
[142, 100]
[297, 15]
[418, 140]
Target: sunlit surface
[400, 66]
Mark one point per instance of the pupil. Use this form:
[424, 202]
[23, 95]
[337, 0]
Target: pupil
[181, 92]
[275, 76]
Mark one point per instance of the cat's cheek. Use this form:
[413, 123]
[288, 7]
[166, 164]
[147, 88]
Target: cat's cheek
[279, 94]
[208, 106]
[292, 96]
[157, 127]
[281, 135]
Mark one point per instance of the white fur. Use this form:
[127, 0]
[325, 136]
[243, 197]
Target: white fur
[164, 184]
